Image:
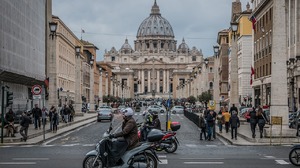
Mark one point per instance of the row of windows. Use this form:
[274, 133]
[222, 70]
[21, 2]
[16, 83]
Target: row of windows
[65, 51]
[263, 70]
[263, 21]
[194, 58]
[263, 42]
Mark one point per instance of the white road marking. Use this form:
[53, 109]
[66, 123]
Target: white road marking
[162, 156]
[203, 162]
[17, 163]
[191, 145]
[202, 158]
[211, 145]
[282, 162]
[163, 161]
[269, 157]
[30, 158]
[89, 145]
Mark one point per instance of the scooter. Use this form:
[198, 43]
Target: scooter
[142, 156]
[294, 155]
[168, 142]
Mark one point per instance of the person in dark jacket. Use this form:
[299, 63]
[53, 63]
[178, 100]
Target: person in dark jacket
[9, 123]
[156, 122]
[234, 123]
[261, 120]
[129, 129]
[232, 109]
[210, 124]
[253, 121]
[202, 126]
[37, 114]
[24, 126]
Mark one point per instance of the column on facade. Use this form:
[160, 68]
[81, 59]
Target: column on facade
[234, 92]
[157, 81]
[164, 81]
[139, 82]
[78, 99]
[168, 80]
[92, 96]
[106, 86]
[111, 88]
[53, 86]
[149, 81]
[143, 81]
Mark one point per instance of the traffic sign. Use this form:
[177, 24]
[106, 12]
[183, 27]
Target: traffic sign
[36, 89]
[169, 103]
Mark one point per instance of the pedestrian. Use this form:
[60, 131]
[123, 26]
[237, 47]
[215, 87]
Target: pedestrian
[202, 126]
[226, 119]
[214, 124]
[55, 120]
[253, 121]
[232, 109]
[66, 112]
[10, 123]
[25, 122]
[234, 123]
[37, 114]
[51, 115]
[210, 124]
[220, 120]
[72, 114]
[44, 116]
[261, 120]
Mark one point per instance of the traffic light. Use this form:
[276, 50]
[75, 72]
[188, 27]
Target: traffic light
[9, 98]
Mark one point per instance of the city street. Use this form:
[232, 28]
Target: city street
[69, 150]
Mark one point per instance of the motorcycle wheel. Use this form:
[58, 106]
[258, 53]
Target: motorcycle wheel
[141, 162]
[172, 148]
[294, 156]
[89, 160]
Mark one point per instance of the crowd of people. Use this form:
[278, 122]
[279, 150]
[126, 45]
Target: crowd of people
[39, 118]
[209, 120]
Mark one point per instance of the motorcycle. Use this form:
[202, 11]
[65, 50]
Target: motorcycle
[168, 142]
[105, 154]
[294, 155]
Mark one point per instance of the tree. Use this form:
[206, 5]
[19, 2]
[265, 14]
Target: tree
[205, 96]
[192, 99]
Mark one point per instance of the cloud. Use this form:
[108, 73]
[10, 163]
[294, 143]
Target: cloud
[108, 23]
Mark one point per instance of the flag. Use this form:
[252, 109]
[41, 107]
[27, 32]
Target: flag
[253, 20]
[252, 73]
[47, 82]
[82, 31]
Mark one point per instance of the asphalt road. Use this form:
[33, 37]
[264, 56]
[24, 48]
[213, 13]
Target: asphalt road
[68, 151]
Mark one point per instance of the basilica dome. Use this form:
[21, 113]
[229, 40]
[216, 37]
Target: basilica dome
[155, 25]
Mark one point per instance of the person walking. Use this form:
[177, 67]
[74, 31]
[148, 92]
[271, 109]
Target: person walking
[234, 123]
[261, 120]
[226, 119]
[55, 120]
[10, 123]
[37, 114]
[210, 124]
[51, 116]
[232, 109]
[202, 126]
[72, 114]
[220, 121]
[25, 122]
[44, 116]
[253, 121]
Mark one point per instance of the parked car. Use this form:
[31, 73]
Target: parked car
[104, 114]
[120, 108]
[177, 109]
[156, 108]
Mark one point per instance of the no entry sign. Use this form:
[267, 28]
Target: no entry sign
[36, 89]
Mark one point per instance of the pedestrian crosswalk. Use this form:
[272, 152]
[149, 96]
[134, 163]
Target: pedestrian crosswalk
[162, 114]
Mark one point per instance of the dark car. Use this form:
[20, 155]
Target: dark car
[104, 114]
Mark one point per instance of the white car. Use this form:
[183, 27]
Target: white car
[177, 109]
[156, 108]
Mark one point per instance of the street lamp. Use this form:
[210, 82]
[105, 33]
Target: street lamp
[234, 28]
[53, 27]
[206, 62]
[216, 50]
[77, 50]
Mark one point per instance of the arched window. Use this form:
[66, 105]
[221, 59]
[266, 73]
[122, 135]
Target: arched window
[211, 85]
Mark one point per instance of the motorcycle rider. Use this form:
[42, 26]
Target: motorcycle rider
[156, 122]
[129, 129]
[146, 127]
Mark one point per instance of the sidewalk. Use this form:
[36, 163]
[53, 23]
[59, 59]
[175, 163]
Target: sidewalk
[245, 137]
[37, 136]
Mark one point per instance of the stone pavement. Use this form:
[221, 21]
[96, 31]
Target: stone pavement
[244, 134]
[38, 136]
[245, 137]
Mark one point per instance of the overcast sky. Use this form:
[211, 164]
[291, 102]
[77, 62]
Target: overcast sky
[107, 23]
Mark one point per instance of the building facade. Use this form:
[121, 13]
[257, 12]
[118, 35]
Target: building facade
[155, 67]
[23, 49]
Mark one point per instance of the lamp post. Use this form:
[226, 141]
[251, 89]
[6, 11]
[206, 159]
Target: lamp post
[53, 91]
[78, 98]
[234, 98]
[92, 96]
[216, 50]
[100, 87]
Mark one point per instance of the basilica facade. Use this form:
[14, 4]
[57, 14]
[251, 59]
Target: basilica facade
[156, 66]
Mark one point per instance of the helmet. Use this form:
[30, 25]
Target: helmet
[128, 112]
